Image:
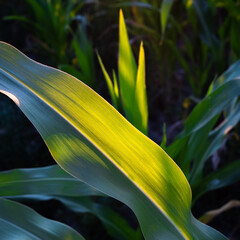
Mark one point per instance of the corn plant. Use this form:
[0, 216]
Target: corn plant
[90, 140]
[150, 21]
[50, 24]
[131, 94]
[201, 136]
[229, 27]
[162, 8]
[83, 68]
[165, 29]
[46, 183]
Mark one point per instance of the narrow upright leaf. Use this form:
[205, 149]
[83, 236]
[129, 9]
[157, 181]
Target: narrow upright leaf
[165, 10]
[141, 108]
[111, 87]
[127, 70]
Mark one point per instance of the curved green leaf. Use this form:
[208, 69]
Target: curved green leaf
[20, 222]
[213, 104]
[45, 180]
[213, 141]
[94, 143]
[115, 224]
[199, 140]
[223, 177]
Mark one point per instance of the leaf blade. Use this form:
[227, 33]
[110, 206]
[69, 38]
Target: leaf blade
[45, 180]
[165, 10]
[141, 108]
[94, 143]
[18, 221]
[127, 70]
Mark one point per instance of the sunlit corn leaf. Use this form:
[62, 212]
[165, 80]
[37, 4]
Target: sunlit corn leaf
[164, 138]
[20, 222]
[93, 142]
[131, 97]
[116, 90]
[141, 108]
[71, 70]
[127, 71]
[45, 180]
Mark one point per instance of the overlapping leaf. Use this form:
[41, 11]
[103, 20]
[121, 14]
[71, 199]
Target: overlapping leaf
[50, 180]
[94, 143]
[20, 222]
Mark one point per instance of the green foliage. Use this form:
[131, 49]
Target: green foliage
[165, 11]
[192, 38]
[46, 183]
[149, 20]
[94, 143]
[17, 220]
[131, 94]
[188, 31]
[201, 136]
[50, 21]
[84, 57]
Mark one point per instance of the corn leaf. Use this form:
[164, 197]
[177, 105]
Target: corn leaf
[110, 85]
[20, 222]
[165, 10]
[127, 71]
[50, 180]
[115, 224]
[214, 140]
[85, 59]
[46, 183]
[141, 108]
[221, 178]
[93, 142]
[116, 89]
[131, 97]
[189, 145]
[71, 70]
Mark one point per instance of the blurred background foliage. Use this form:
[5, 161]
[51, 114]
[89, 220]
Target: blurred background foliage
[188, 45]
